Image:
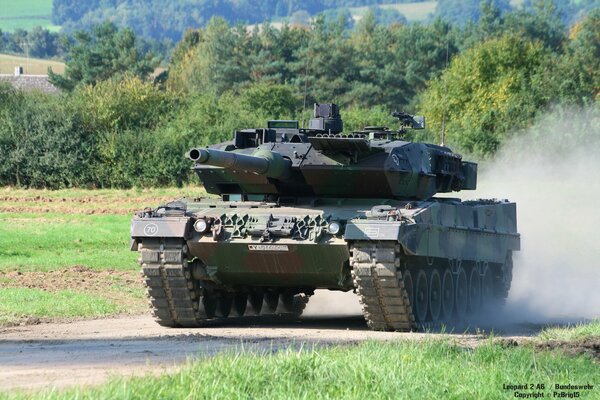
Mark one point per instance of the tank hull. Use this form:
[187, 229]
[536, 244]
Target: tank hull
[287, 251]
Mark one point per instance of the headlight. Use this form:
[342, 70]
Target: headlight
[334, 227]
[201, 226]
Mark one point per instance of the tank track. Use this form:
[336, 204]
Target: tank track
[380, 271]
[379, 284]
[176, 298]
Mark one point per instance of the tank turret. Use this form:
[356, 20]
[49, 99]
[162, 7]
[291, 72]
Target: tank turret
[286, 160]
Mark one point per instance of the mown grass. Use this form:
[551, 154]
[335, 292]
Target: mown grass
[86, 201]
[19, 303]
[570, 333]
[31, 66]
[42, 242]
[401, 370]
[57, 229]
[414, 12]
[26, 14]
[103, 194]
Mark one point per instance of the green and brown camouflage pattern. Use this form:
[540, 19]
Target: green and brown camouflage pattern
[307, 209]
[299, 251]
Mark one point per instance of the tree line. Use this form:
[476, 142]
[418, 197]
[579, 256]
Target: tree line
[119, 124]
[159, 25]
[169, 19]
[37, 42]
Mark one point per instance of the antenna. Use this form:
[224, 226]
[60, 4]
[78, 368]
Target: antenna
[305, 82]
[445, 95]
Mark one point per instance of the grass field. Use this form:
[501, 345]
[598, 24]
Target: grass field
[31, 66]
[575, 332]
[413, 12]
[18, 303]
[71, 247]
[43, 242]
[26, 14]
[431, 369]
[84, 201]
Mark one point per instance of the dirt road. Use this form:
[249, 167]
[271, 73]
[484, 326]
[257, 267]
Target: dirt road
[89, 352]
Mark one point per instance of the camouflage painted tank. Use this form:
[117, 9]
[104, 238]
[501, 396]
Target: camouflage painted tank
[306, 209]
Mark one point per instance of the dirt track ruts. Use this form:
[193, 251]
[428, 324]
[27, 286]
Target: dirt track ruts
[89, 352]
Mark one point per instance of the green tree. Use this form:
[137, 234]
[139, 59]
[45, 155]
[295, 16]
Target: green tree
[271, 101]
[463, 12]
[3, 41]
[216, 62]
[41, 141]
[327, 65]
[490, 90]
[42, 43]
[103, 53]
[578, 73]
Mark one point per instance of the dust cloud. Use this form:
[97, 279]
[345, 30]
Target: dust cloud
[333, 303]
[552, 172]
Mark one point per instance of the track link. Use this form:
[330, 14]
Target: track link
[379, 284]
[173, 294]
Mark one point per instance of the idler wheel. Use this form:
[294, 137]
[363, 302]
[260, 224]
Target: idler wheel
[224, 305]
[435, 295]
[421, 296]
[255, 301]
[207, 306]
[447, 295]
[461, 294]
[409, 286]
[240, 302]
[474, 291]
[487, 287]
[271, 302]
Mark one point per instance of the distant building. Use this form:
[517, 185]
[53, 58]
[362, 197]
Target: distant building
[29, 82]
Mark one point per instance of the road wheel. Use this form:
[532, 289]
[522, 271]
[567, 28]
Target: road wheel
[474, 291]
[271, 302]
[240, 302]
[487, 288]
[435, 295]
[461, 294]
[255, 301]
[447, 295]
[207, 306]
[224, 305]
[421, 296]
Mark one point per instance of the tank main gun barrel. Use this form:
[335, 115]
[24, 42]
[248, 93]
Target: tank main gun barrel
[262, 162]
[229, 160]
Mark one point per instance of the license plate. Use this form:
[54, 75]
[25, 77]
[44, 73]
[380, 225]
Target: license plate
[268, 247]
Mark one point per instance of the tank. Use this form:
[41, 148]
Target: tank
[293, 210]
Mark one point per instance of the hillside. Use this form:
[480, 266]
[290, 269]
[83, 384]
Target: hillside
[417, 11]
[26, 14]
[32, 66]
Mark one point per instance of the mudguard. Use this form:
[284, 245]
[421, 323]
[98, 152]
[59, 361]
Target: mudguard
[170, 227]
[372, 230]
